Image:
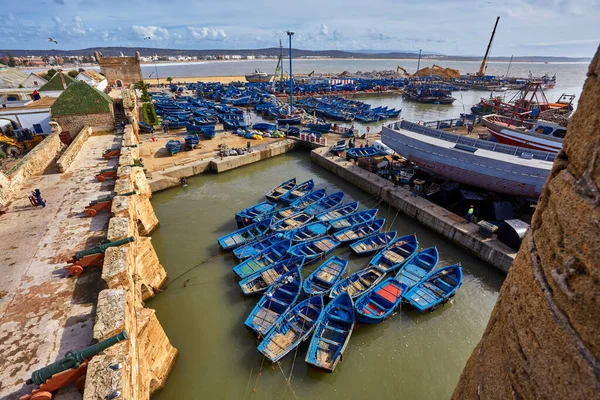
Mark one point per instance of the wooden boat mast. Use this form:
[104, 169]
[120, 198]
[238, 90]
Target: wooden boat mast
[487, 51]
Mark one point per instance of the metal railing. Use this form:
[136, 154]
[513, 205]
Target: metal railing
[476, 143]
[451, 123]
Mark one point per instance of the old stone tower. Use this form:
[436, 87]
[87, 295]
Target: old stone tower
[120, 71]
[543, 337]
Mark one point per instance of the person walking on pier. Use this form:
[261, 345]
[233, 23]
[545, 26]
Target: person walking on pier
[249, 147]
[470, 213]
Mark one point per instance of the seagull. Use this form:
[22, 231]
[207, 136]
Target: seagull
[52, 40]
[146, 37]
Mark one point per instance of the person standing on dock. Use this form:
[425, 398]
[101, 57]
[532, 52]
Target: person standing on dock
[38, 197]
[470, 213]
[249, 147]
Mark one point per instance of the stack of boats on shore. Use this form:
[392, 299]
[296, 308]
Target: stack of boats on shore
[298, 226]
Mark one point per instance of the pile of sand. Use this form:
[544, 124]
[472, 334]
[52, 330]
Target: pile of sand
[446, 73]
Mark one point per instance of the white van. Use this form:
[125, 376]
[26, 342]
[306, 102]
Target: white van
[383, 149]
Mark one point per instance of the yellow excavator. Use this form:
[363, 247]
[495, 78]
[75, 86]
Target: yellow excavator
[19, 141]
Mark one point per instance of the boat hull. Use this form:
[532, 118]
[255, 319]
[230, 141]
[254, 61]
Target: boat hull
[521, 139]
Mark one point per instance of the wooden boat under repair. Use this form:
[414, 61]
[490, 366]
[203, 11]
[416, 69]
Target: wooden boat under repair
[322, 279]
[274, 303]
[332, 333]
[295, 327]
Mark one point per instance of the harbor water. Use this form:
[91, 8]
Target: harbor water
[202, 309]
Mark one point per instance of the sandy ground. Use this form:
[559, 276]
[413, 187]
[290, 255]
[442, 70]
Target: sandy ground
[43, 312]
[155, 156]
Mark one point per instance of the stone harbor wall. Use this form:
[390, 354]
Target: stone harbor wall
[71, 152]
[133, 274]
[35, 162]
[543, 337]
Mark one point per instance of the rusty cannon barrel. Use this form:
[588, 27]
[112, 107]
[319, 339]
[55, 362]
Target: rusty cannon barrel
[74, 359]
[101, 248]
[111, 149]
[112, 196]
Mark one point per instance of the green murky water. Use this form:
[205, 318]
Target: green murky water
[410, 356]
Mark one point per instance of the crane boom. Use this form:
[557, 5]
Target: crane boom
[487, 51]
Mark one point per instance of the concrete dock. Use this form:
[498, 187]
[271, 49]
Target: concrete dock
[438, 219]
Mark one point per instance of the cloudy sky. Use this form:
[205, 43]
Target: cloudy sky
[459, 27]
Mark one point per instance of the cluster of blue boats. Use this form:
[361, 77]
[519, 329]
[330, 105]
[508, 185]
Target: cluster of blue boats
[341, 109]
[299, 225]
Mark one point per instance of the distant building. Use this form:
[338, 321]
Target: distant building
[34, 81]
[120, 71]
[250, 57]
[82, 105]
[11, 78]
[56, 85]
[236, 57]
[93, 78]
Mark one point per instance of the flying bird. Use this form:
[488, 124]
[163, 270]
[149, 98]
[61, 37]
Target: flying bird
[146, 37]
[52, 40]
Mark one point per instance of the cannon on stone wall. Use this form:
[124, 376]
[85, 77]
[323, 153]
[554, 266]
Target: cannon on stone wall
[103, 203]
[93, 257]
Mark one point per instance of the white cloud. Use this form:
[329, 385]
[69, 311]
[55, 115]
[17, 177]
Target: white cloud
[154, 32]
[323, 29]
[73, 29]
[61, 2]
[337, 35]
[378, 35]
[207, 33]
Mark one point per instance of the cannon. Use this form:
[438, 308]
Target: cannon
[103, 203]
[114, 151]
[93, 256]
[72, 368]
[107, 173]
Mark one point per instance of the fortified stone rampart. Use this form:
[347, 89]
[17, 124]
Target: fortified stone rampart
[132, 273]
[120, 71]
[543, 337]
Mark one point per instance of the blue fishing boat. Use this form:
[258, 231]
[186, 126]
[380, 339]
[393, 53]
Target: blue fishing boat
[256, 247]
[191, 128]
[144, 127]
[294, 327]
[276, 193]
[309, 199]
[261, 280]
[289, 121]
[322, 279]
[323, 128]
[245, 235]
[332, 333]
[173, 147]
[359, 231]
[255, 213]
[299, 191]
[338, 148]
[275, 302]
[353, 219]
[281, 213]
[206, 120]
[325, 204]
[209, 131]
[357, 152]
[265, 259]
[294, 221]
[417, 267]
[264, 126]
[379, 302]
[373, 243]
[396, 254]
[234, 124]
[191, 141]
[315, 249]
[307, 232]
[435, 289]
[358, 283]
[338, 212]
